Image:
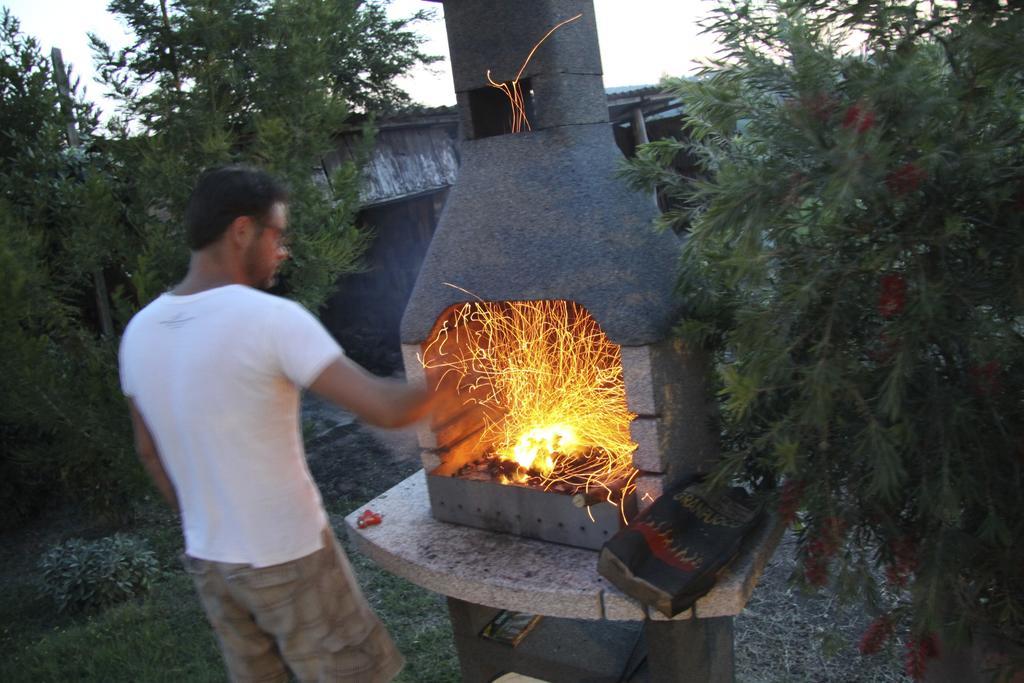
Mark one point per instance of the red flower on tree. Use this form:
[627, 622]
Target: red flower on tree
[884, 348]
[876, 635]
[893, 297]
[919, 651]
[1018, 199]
[905, 179]
[821, 549]
[815, 570]
[985, 378]
[789, 502]
[819, 106]
[796, 182]
[860, 119]
[904, 561]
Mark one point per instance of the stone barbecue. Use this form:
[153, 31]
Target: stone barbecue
[538, 227]
[547, 298]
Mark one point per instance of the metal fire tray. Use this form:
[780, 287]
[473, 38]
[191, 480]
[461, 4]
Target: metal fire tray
[523, 511]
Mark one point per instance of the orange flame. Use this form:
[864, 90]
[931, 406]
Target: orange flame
[554, 380]
[512, 89]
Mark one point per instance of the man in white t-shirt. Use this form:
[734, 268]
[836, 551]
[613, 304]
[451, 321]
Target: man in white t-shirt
[213, 370]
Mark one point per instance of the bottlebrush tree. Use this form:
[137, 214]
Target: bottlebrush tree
[855, 261]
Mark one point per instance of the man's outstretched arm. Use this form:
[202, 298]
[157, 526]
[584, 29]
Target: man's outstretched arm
[378, 401]
[150, 458]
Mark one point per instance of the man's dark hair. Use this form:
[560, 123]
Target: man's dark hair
[225, 193]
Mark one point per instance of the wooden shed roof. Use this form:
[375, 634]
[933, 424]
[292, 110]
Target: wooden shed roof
[416, 152]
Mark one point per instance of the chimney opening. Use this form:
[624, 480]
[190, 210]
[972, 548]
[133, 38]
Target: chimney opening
[491, 110]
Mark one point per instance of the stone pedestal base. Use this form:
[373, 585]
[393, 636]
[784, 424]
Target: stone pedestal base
[588, 651]
[590, 628]
[556, 650]
[692, 650]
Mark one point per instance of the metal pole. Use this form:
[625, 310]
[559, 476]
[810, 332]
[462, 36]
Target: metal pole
[60, 77]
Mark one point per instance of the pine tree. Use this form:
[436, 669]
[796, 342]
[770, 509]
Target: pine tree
[266, 82]
[218, 81]
[855, 260]
[62, 424]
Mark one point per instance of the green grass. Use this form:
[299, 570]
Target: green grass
[164, 635]
[418, 621]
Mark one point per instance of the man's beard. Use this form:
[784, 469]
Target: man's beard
[256, 271]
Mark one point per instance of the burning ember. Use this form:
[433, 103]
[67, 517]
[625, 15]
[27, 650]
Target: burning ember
[550, 391]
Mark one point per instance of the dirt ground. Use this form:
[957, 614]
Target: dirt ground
[782, 635]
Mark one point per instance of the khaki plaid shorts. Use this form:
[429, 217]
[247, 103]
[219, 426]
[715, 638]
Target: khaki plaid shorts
[307, 615]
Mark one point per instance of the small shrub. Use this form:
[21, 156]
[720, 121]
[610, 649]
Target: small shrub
[85, 575]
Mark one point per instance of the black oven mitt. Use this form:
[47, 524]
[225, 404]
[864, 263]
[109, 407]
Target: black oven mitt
[672, 553]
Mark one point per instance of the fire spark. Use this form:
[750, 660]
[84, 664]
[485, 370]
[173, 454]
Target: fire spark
[514, 92]
[550, 386]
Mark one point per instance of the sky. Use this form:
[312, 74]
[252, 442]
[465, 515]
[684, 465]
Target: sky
[641, 40]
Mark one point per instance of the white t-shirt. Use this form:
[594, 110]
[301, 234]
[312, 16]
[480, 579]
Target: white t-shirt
[216, 377]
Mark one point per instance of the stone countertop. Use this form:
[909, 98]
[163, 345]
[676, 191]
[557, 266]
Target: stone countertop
[527, 575]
